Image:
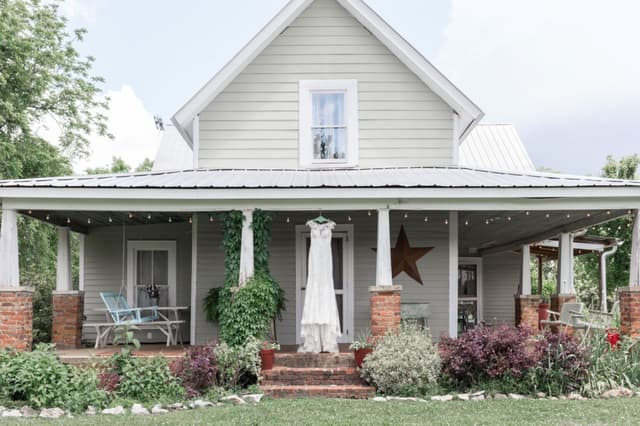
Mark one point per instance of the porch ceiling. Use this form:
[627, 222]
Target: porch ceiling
[486, 232]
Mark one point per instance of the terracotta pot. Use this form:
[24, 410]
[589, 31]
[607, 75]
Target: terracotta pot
[543, 312]
[360, 354]
[267, 357]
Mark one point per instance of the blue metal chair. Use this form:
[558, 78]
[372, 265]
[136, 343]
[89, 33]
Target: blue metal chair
[121, 313]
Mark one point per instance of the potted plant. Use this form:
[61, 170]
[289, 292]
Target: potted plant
[268, 354]
[154, 294]
[543, 309]
[361, 347]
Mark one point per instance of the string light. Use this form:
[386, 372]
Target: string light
[509, 218]
[68, 220]
[110, 220]
[526, 213]
[486, 221]
[170, 220]
[547, 215]
[446, 221]
[568, 215]
[426, 219]
[466, 223]
[210, 218]
[149, 216]
[406, 215]
[89, 220]
[288, 220]
[130, 215]
[369, 213]
[349, 218]
[29, 211]
[190, 220]
[47, 217]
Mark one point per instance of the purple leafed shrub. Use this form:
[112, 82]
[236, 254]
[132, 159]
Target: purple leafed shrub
[486, 354]
[109, 381]
[197, 369]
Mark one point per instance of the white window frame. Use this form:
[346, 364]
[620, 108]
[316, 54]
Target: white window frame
[479, 284]
[307, 88]
[132, 249]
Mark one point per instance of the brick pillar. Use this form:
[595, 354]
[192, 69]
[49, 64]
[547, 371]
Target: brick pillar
[385, 309]
[16, 318]
[68, 308]
[557, 300]
[630, 311]
[527, 311]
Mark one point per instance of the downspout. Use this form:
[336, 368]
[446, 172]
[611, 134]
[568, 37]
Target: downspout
[603, 275]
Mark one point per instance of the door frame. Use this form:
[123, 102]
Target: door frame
[132, 249]
[348, 308]
[478, 261]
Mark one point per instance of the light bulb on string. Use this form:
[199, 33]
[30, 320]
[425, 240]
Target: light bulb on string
[509, 218]
[190, 220]
[486, 221]
[526, 213]
[547, 215]
[369, 213]
[170, 220]
[466, 223]
[89, 220]
[349, 218]
[288, 220]
[130, 215]
[29, 211]
[110, 220]
[210, 218]
[68, 220]
[406, 215]
[446, 221]
[426, 219]
[48, 217]
[149, 217]
[568, 215]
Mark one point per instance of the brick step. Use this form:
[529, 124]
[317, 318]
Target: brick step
[319, 391]
[312, 360]
[311, 376]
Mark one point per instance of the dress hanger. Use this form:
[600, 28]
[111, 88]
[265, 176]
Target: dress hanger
[320, 219]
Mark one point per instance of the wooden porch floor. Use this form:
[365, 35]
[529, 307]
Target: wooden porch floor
[88, 355]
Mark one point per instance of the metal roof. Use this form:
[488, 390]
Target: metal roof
[409, 177]
[495, 147]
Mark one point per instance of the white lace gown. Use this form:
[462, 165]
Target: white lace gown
[320, 325]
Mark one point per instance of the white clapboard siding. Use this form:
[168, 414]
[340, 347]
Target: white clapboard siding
[501, 278]
[103, 266]
[254, 121]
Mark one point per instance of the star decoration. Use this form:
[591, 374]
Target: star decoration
[404, 257]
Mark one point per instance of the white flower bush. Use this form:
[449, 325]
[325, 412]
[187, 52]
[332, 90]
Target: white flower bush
[405, 362]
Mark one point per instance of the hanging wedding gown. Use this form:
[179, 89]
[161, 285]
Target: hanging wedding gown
[320, 325]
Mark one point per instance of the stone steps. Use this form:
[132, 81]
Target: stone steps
[320, 391]
[310, 360]
[312, 376]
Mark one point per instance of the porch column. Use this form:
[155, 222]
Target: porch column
[526, 303]
[566, 292]
[16, 303]
[384, 299]
[68, 304]
[246, 248]
[630, 297]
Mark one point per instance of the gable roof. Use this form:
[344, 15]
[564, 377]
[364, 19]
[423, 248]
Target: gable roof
[495, 147]
[469, 114]
[172, 152]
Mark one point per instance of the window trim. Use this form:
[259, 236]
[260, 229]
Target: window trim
[306, 88]
[478, 262]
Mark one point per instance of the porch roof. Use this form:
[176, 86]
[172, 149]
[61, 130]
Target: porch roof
[407, 177]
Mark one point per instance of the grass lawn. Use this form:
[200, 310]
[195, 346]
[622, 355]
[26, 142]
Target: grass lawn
[323, 412]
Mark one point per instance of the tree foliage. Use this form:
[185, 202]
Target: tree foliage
[44, 79]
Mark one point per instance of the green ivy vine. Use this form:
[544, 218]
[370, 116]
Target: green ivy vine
[248, 311]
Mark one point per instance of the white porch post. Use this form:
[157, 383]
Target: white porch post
[525, 271]
[453, 274]
[63, 270]
[565, 264]
[194, 278]
[383, 251]
[634, 267]
[9, 265]
[246, 248]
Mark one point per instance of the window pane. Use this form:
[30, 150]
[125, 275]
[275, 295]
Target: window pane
[329, 143]
[143, 267]
[161, 267]
[467, 281]
[328, 109]
[467, 315]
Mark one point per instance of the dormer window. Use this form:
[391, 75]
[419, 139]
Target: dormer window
[328, 123]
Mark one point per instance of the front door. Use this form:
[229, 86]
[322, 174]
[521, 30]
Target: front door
[342, 258]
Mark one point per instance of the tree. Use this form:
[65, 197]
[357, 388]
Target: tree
[118, 165]
[587, 267]
[44, 79]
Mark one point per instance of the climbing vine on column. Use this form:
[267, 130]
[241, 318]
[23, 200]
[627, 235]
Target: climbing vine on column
[248, 311]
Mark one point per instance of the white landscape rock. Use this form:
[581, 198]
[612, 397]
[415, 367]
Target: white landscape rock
[541, 395]
[199, 403]
[176, 406]
[575, 396]
[463, 396]
[51, 413]
[617, 393]
[379, 399]
[139, 410]
[157, 409]
[28, 411]
[235, 399]
[11, 413]
[442, 398]
[478, 398]
[253, 398]
[114, 411]
[500, 396]
[402, 398]
[516, 396]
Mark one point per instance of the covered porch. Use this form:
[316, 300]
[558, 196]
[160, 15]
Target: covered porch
[462, 219]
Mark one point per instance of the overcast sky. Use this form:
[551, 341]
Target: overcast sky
[565, 73]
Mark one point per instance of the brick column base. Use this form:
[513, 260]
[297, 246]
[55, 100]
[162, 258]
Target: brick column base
[527, 311]
[68, 308]
[630, 311]
[557, 300]
[384, 302]
[16, 318]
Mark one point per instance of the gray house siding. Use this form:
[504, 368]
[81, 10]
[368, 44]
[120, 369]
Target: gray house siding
[254, 121]
[501, 278]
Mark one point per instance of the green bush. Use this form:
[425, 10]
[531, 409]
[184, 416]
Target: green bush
[611, 367]
[238, 366]
[404, 362]
[39, 379]
[147, 380]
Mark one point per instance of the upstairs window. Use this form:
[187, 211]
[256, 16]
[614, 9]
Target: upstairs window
[328, 123]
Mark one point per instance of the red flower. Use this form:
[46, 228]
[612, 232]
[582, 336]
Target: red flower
[613, 338]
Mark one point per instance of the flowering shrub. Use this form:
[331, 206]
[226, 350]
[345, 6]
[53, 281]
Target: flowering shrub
[488, 354]
[197, 370]
[404, 362]
[238, 366]
[563, 365]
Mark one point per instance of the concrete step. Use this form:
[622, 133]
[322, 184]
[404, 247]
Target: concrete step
[319, 391]
[312, 360]
[311, 376]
